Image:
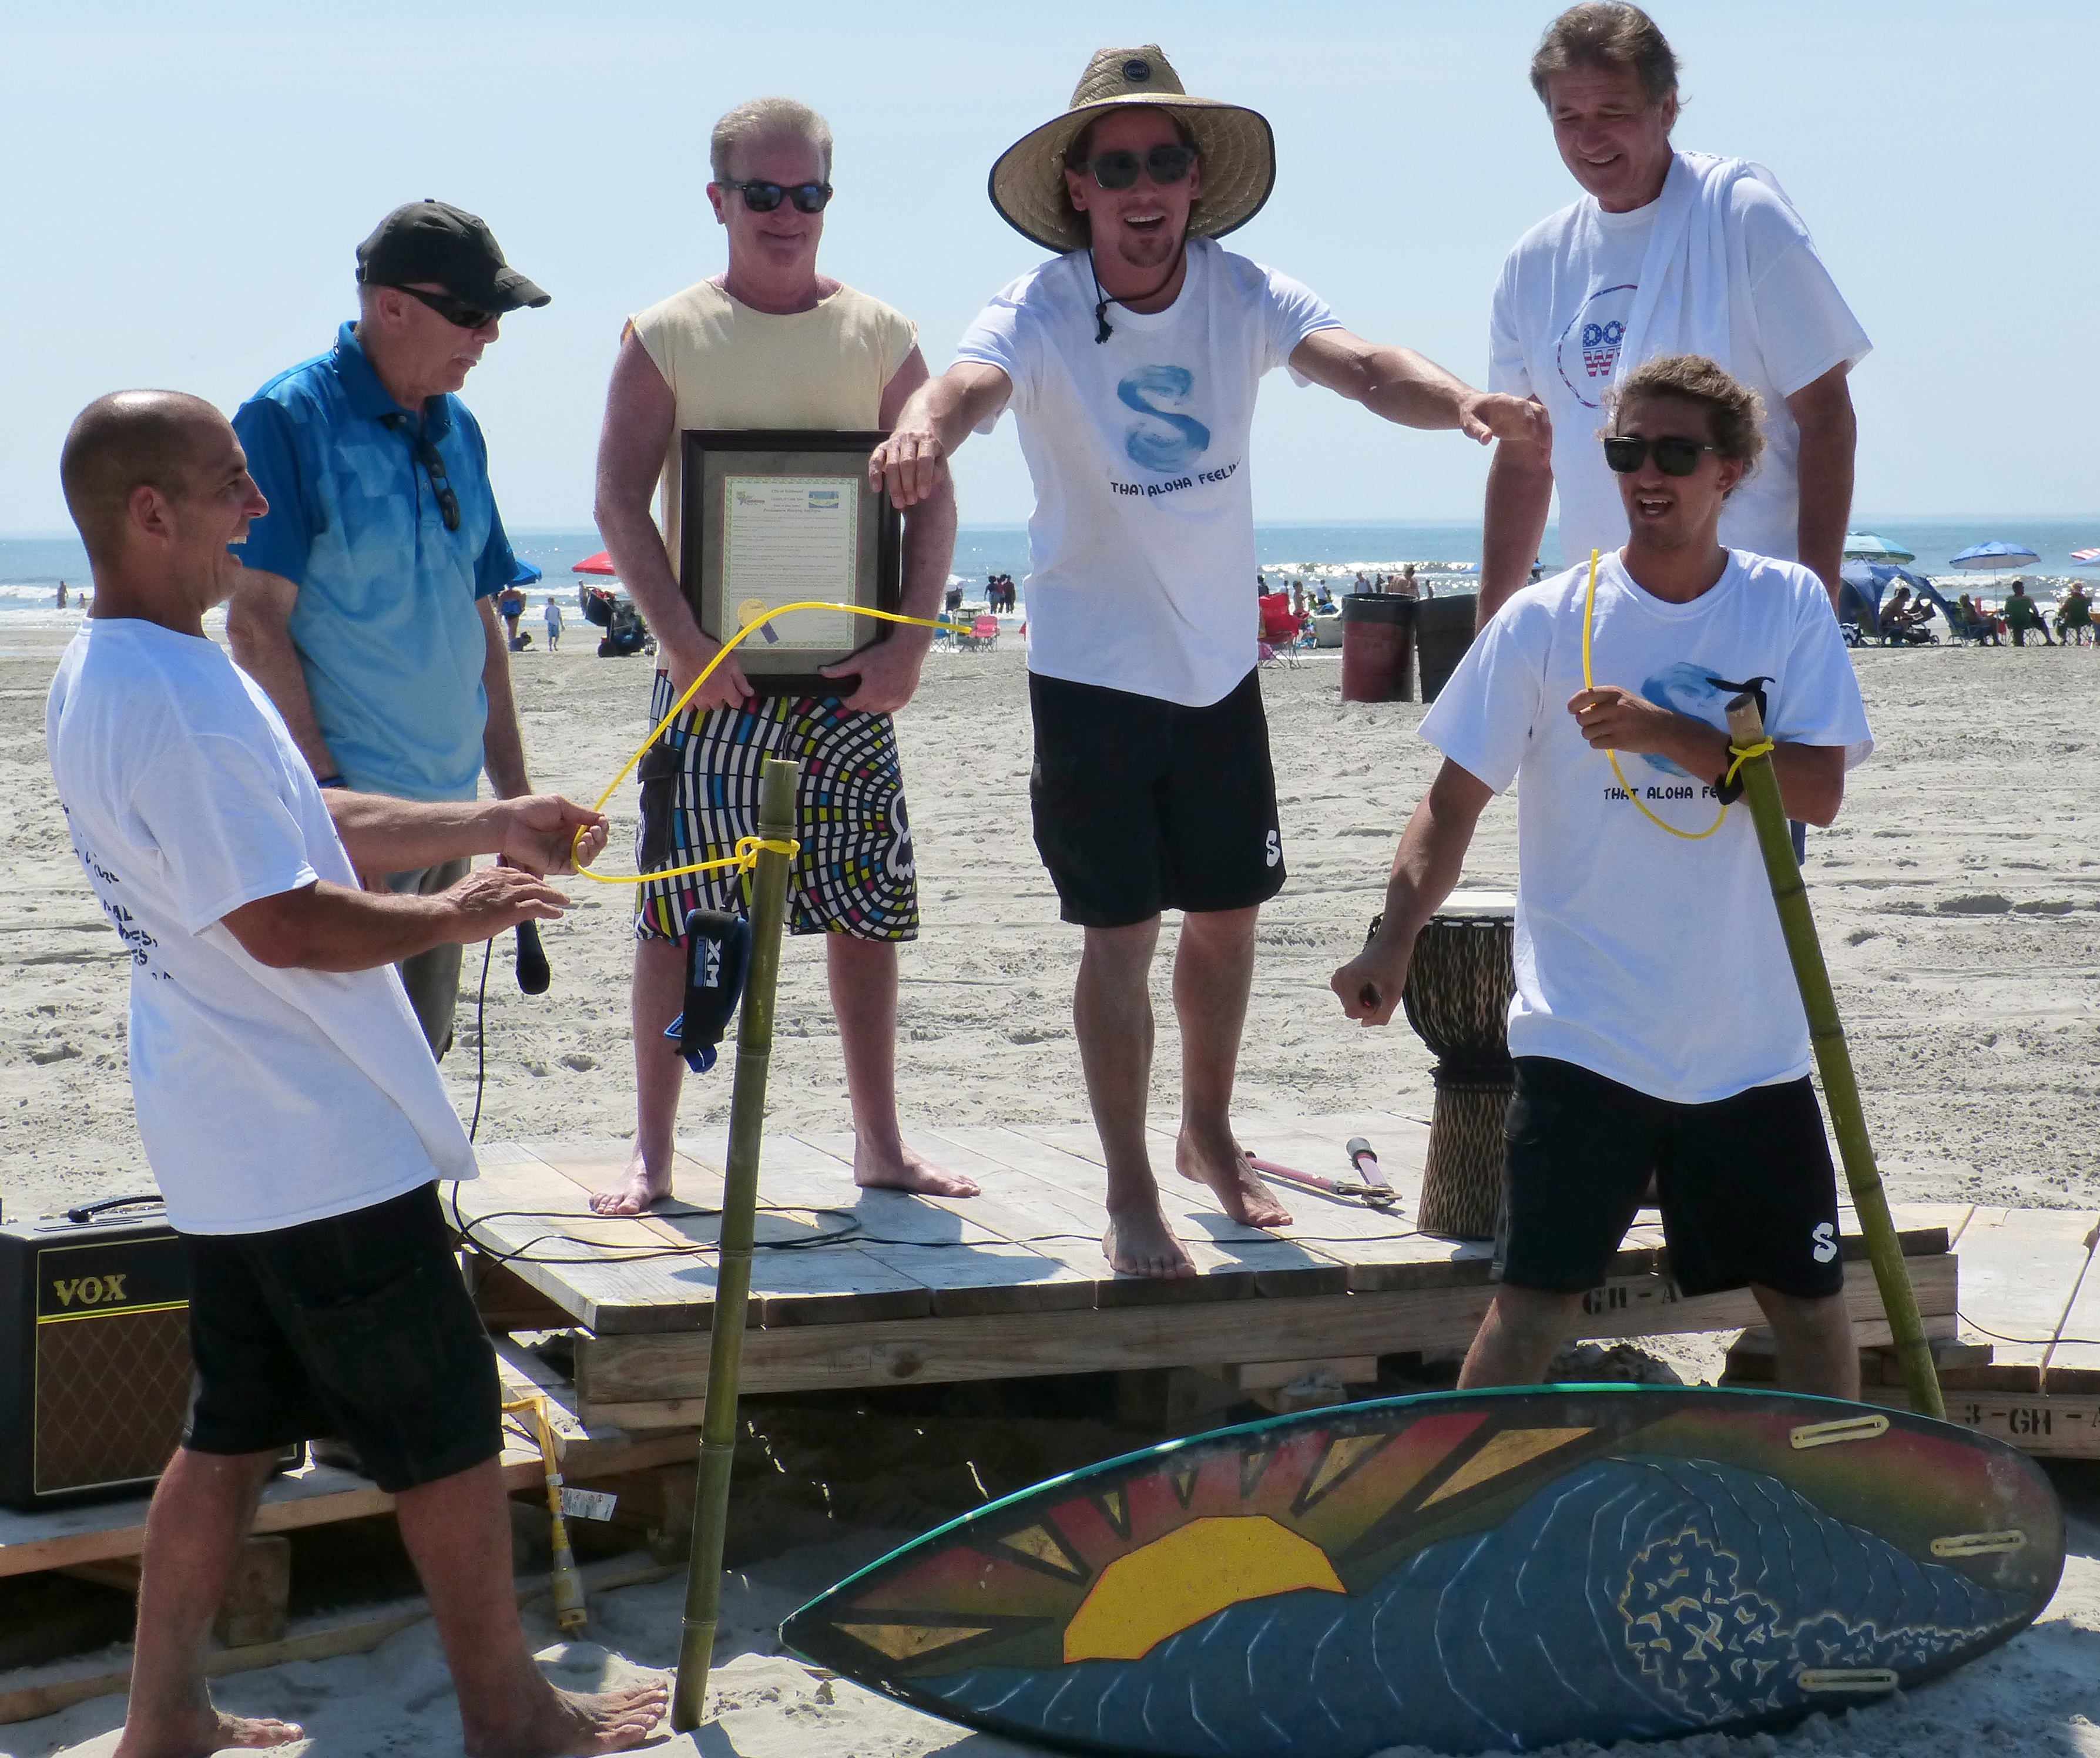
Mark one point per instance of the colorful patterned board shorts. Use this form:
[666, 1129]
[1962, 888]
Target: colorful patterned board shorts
[699, 793]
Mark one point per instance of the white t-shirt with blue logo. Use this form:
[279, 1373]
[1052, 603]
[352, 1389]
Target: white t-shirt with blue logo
[1141, 568]
[1561, 312]
[1654, 960]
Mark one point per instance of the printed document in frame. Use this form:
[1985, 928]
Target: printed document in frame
[776, 517]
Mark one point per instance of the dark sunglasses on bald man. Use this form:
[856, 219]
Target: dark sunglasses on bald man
[763, 198]
[1673, 457]
[453, 310]
[1119, 169]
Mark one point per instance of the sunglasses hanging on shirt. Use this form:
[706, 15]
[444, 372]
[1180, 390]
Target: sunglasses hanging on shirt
[1673, 457]
[763, 198]
[433, 462]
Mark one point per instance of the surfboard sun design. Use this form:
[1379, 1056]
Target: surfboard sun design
[1463, 1571]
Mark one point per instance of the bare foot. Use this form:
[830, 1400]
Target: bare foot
[201, 1732]
[1139, 1242]
[906, 1169]
[570, 1724]
[1220, 1164]
[637, 1187]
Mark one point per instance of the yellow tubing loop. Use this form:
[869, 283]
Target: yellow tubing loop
[747, 848]
[1626, 787]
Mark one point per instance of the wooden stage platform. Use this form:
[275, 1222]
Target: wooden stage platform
[867, 1289]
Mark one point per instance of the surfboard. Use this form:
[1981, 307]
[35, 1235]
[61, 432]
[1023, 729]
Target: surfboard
[1463, 1570]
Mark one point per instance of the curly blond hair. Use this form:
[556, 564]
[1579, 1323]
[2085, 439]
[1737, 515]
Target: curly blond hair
[1738, 411]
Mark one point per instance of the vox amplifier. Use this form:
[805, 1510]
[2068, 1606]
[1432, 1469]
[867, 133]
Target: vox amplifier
[94, 1354]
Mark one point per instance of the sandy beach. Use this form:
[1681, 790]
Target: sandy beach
[1958, 899]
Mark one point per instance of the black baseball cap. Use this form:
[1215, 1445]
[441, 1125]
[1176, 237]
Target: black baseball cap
[435, 241]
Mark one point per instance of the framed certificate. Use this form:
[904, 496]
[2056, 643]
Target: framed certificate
[771, 518]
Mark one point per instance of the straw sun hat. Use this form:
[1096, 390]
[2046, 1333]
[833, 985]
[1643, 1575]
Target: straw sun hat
[1027, 184]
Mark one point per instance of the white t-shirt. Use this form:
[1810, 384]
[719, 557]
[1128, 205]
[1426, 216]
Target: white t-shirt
[1656, 961]
[1560, 311]
[1141, 556]
[265, 1098]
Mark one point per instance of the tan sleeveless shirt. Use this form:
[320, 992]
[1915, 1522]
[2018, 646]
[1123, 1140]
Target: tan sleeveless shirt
[728, 366]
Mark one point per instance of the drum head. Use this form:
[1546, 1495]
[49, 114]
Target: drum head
[1478, 906]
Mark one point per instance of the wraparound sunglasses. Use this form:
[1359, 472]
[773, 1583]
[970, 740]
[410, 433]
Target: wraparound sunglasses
[1673, 457]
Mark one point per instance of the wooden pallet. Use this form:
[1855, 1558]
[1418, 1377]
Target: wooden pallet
[319, 1495]
[1012, 1283]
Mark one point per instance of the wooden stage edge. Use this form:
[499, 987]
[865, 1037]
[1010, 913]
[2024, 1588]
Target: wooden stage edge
[857, 1289]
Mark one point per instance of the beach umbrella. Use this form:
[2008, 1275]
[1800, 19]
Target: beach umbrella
[1864, 546]
[527, 574]
[1994, 558]
[600, 563]
[2085, 558]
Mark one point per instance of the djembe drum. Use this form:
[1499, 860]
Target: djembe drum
[1459, 983]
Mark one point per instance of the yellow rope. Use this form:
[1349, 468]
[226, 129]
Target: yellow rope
[747, 848]
[1626, 787]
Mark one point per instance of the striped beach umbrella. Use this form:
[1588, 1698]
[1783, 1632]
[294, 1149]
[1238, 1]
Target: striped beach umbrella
[1864, 546]
[2086, 558]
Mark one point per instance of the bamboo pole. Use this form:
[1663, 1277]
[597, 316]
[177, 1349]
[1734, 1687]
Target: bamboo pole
[746, 1122]
[1834, 1061]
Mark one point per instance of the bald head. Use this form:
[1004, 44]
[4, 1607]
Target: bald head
[129, 440]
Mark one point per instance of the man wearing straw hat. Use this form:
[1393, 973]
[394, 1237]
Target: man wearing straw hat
[1132, 362]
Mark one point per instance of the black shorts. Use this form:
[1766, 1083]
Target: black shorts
[359, 1326]
[1142, 805]
[1747, 1188]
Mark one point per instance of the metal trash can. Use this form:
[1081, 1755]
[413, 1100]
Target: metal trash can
[1377, 647]
[1443, 632]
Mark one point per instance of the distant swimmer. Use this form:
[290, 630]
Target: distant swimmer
[1667, 253]
[289, 1107]
[1657, 1029]
[367, 607]
[1132, 363]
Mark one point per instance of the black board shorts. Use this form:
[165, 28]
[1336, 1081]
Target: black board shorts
[1142, 805]
[358, 1327]
[1746, 1184]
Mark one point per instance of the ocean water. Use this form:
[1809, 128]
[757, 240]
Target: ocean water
[31, 566]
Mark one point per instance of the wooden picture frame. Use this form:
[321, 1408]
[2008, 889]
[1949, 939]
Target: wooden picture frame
[771, 516]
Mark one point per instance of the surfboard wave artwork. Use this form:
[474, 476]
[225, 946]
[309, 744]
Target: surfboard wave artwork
[1465, 1571]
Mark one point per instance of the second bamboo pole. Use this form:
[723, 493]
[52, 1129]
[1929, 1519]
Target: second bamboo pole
[747, 1123]
[1834, 1061]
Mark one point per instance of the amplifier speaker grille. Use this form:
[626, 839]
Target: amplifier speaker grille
[112, 1391]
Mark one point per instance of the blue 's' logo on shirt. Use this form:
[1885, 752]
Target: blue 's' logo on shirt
[1185, 438]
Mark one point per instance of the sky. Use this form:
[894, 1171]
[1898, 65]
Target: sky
[183, 202]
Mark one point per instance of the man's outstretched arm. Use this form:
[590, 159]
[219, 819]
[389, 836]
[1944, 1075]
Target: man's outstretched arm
[912, 464]
[1431, 854]
[1403, 386]
[534, 832]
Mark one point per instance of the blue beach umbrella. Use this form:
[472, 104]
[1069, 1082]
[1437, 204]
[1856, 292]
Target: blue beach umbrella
[1870, 580]
[527, 574]
[1864, 546]
[1994, 558]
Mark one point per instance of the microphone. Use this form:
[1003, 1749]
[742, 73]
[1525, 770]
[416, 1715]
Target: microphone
[533, 973]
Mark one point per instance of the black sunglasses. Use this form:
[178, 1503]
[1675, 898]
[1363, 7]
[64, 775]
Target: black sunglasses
[453, 310]
[763, 198]
[1673, 457]
[433, 462]
[1119, 169]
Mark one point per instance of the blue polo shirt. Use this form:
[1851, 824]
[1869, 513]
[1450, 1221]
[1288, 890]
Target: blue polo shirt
[386, 622]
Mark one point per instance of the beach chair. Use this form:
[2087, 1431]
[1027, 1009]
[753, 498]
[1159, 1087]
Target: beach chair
[1281, 631]
[981, 636]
